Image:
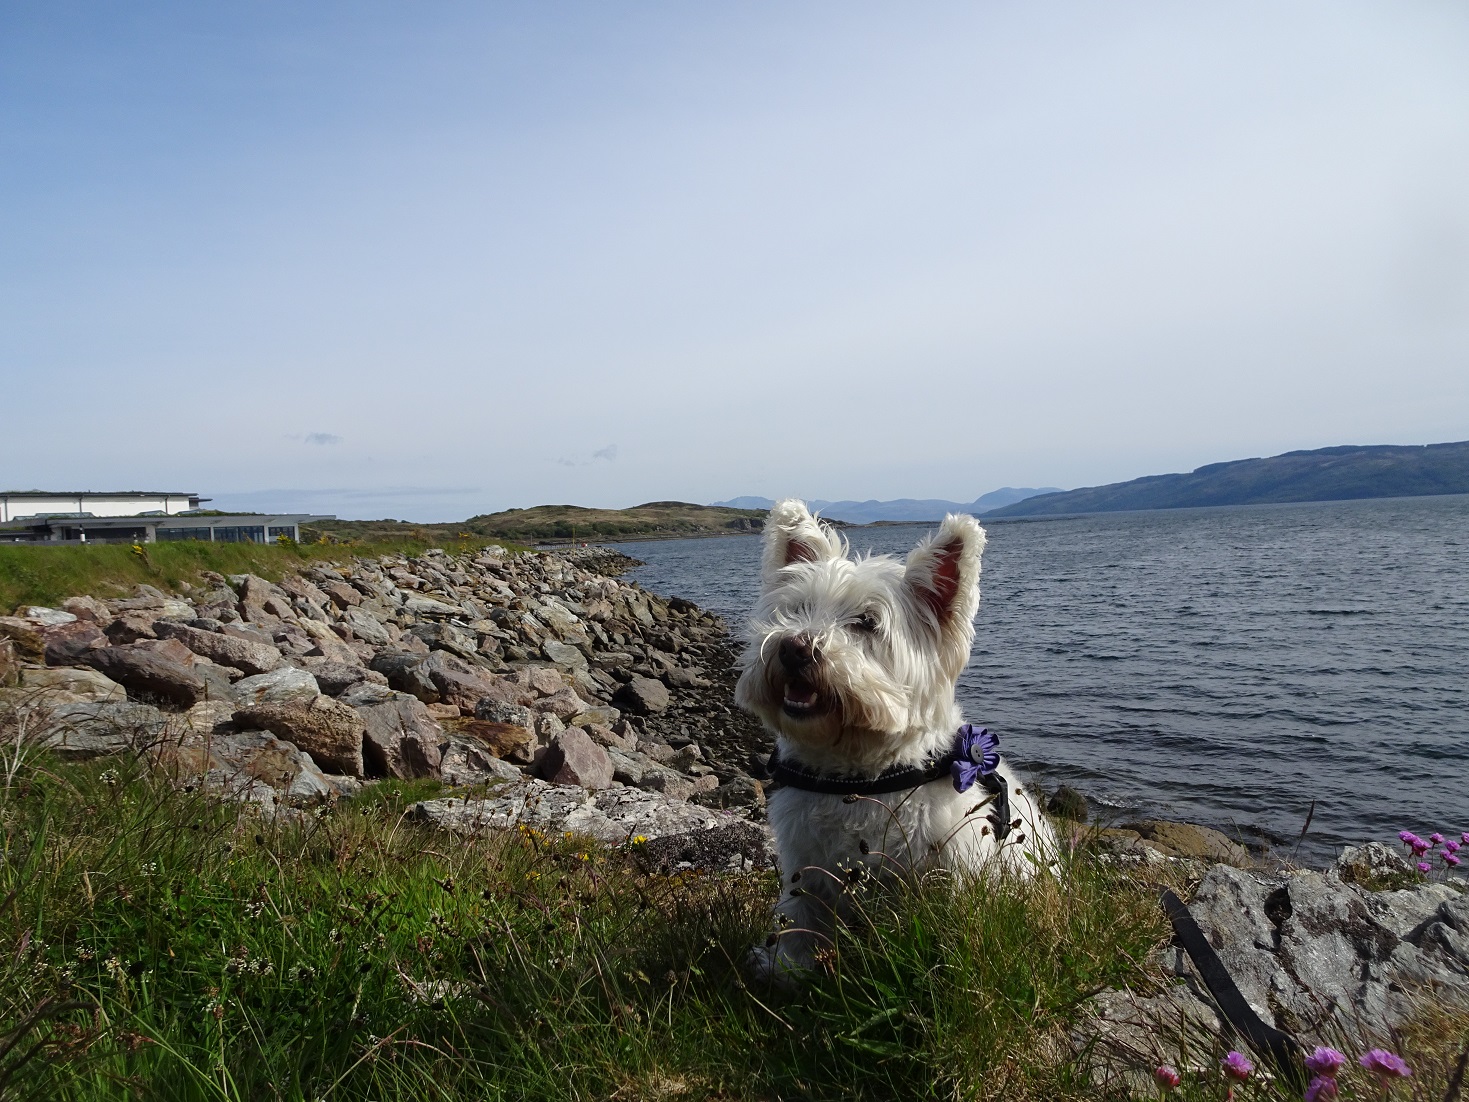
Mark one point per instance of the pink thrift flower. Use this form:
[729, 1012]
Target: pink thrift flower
[1464, 837]
[1420, 847]
[1452, 846]
[1424, 866]
[1237, 1066]
[1436, 838]
[1167, 1077]
[1387, 1066]
[1407, 837]
[1450, 860]
[1321, 1089]
[1325, 1061]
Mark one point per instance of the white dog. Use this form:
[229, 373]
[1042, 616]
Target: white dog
[852, 665]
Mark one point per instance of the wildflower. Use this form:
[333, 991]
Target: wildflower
[254, 910]
[1436, 838]
[1407, 837]
[1420, 847]
[1385, 1065]
[1452, 846]
[108, 777]
[1237, 1066]
[1325, 1061]
[1464, 837]
[149, 868]
[1167, 1077]
[1451, 860]
[640, 839]
[1424, 866]
[1321, 1089]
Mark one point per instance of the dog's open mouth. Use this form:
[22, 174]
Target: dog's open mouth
[802, 699]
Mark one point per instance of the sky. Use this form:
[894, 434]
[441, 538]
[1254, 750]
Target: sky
[433, 260]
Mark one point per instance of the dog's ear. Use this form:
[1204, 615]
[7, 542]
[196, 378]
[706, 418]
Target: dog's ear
[792, 534]
[943, 575]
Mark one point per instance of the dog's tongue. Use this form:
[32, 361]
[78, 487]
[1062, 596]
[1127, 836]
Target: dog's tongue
[800, 694]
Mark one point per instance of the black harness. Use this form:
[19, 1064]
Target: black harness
[897, 778]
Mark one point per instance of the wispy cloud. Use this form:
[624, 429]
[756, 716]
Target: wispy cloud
[608, 453]
[323, 438]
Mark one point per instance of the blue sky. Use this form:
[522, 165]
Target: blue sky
[438, 259]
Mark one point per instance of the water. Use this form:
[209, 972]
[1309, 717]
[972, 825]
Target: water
[1225, 666]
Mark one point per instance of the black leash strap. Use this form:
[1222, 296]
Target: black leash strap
[1281, 1048]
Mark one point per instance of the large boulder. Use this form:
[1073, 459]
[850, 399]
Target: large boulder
[70, 683]
[573, 758]
[642, 696]
[427, 606]
[336, 678]
[404, 672]
[366, 627]
[330, 731]
[517, 743]
[401, 739]
[457, 682]
[69, 643]
[92, 729]
[248, 657]
[437, 635]
[162, 668]
[27, 638]
[1189, 840]
[236, 761]
[280, 686]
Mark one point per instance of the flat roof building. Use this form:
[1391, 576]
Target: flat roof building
[230, 528]
[19, 504]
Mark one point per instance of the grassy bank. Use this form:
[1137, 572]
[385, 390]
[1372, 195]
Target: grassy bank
[154, 943]
[45, 575]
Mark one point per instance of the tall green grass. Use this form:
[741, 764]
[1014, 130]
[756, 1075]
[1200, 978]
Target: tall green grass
[157, 943]
[31, 574]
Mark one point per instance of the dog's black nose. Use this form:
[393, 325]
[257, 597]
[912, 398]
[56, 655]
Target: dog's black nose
[796, 652]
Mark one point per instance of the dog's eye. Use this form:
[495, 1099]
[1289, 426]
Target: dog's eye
[866, 624]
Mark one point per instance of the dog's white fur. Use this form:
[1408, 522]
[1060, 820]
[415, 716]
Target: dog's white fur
[885, 642]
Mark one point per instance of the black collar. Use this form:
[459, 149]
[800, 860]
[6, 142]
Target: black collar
[896, 778]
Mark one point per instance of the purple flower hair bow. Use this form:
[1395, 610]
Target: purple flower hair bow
[978, 753]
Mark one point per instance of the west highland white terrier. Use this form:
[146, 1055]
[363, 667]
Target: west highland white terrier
[851, 663]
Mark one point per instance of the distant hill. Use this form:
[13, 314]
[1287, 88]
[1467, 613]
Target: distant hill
[562, 523]
[1326, 474]
[901, 509]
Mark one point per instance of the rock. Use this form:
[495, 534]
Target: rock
[101, 728]
[366, 627]
[456, 682]
[1376, 867]
[27, 639]
[404, 672]
[465, 762]
[613, 816]
[279, 686]
[68, 644]
[248, 657]
[9, 665]
[234, 761]
[402, 739]
[155, 667]
[498, 711]
[643, 696]
[342, 595]
[516, 743]
[131, 626]
[604, 735]
[1067, 803]
[330, 731]
[563, 705]
[87, 608]
[573, 758]
[427, 606]
[78, 683]
[678, 677]
[46, 617]
[336, 678]
[738, 791]
[1188, 840]
[449, 637]
[329, 645]
[564, 655]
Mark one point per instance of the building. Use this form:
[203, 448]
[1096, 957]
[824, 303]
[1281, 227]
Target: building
[20, 504]
[34, 516]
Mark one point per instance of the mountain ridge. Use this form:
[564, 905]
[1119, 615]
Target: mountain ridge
[899, 509]
[1343, 472]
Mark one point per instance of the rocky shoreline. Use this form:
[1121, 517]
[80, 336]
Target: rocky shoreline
[539, 681]
[546, 692]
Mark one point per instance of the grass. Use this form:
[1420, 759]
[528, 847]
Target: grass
[158, 943]
[46, 575]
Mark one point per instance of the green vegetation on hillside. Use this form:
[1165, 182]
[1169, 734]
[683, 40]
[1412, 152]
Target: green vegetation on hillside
[45, 575]
[568, 523]
[157, 945]
[1326, 474]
